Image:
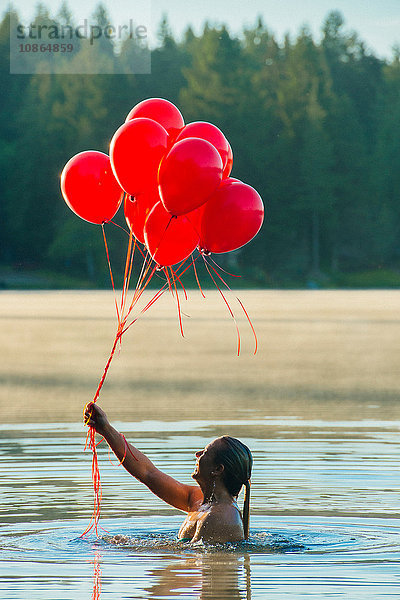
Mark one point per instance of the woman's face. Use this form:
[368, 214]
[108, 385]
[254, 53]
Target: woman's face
[205, 462]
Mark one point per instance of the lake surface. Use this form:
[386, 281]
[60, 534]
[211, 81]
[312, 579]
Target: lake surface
[318, 407]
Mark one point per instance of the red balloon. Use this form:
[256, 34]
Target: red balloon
[188, 175]
[231, 218]
[137, 209]
[209, 132]
[160, 110]
[135, 152]
[169, 239]
[229, 163]
[90, 188]
[196, 216]
[230, 180]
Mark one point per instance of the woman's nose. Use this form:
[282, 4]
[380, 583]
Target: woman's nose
[198, 453]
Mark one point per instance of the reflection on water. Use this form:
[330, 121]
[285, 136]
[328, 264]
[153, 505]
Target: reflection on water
[204, 576]
[324, 515]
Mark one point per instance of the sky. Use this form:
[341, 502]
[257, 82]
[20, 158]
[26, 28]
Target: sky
[376, 21]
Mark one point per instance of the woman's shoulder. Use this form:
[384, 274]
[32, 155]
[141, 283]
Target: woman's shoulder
[227, 512]
[195, 498]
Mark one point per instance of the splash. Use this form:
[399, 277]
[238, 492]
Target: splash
[258, 542]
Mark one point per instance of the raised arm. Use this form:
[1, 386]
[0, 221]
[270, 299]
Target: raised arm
[181, 496]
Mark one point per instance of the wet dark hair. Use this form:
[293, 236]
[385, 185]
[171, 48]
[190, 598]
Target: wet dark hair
[238, 461]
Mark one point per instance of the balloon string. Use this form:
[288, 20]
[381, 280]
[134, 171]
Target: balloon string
[127, 232]
[143, 281]
[91, 435]
[92, 445]
[96, 577]
[221, 269]
[161, 291]
[127, 447]
[118, 336]
[122, 459]
[165, 269]
[176, 277]
[108, 363]
[243, 308]
[128, 271]
[226, 302]
[94, 521]
[138, 295]
[135, 247]
[157, 295]
[90, 438]
[148, 305]
[178, 304]
[110, 270]
[91, 442]
[144, 284]
[177, 274]
[143, 274]
[197, 278]
[119, 226]
[163, 234]
[128, 261]
[251, 325]
[182, 264]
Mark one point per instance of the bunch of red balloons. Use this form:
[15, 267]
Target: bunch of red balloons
[174, 179]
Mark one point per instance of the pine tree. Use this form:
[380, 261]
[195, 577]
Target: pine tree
[214, 80]
[167, 61]
[316, 193]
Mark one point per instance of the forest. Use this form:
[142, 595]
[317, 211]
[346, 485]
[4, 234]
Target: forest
[314, 125]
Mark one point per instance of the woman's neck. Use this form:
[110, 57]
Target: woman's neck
[217, 494]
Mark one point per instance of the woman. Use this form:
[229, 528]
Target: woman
[221, 469]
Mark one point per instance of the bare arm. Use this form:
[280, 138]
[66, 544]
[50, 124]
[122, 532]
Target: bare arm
[181, 496]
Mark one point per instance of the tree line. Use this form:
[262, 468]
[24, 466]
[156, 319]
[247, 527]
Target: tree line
[314, 127]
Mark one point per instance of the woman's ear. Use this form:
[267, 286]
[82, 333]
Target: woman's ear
[218, 470]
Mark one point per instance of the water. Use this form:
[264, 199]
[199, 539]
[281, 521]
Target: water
[318, 406]
[324, 521]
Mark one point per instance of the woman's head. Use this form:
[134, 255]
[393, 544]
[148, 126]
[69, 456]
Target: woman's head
[228, 458]
[237, 461]
[231, 461]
